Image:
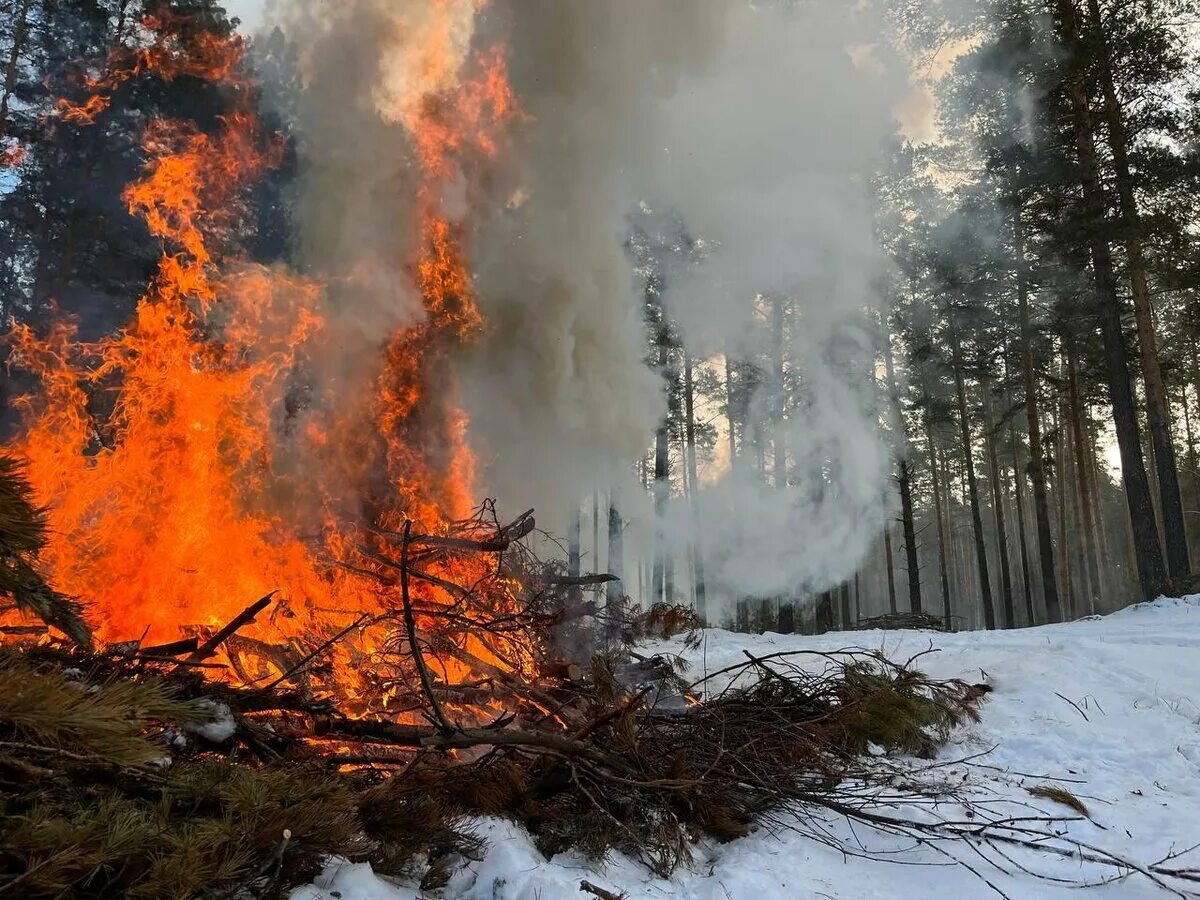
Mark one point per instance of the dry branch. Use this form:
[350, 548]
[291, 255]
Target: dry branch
[244, 618]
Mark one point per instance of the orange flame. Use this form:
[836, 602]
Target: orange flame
[173, 508]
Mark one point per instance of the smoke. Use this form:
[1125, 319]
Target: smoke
[756, 124]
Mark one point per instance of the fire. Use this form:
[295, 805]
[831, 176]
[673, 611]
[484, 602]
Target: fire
[160, 449]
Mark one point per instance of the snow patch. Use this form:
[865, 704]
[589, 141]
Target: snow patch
[1106, 708]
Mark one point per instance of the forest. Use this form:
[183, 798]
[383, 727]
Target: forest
[447, 444]
[1031, 357]
[1035, 367]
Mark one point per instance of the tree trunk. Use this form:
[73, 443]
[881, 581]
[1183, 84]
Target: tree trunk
[573, 565]
[1152, 574]
[689, 399]
[595, 530]
[616, 563]
[1061, 487]
[985, 587]
[1091, 560]
[941, 528]
[661, 579]
[1006, 585]
[1037, 468]
[824, 612]
[904, 481]
[1157, 409]
[20, 30]
[779, 436]
[890, 566]
[1189, 436]
[1102, 539]
[1018, 494]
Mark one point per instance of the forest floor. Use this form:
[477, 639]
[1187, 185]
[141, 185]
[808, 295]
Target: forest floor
[1108, 708]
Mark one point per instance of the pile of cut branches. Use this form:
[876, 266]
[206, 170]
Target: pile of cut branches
[909, 621]
[227, 765]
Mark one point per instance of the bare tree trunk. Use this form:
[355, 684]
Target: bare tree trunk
[661, 587]
[779, 436]
[1152, 574]
[689, 398]
[904, 481]
[824, 613]
[1037, 469]
[1019, 495]
[1060, 492]
[20, 30]
[1091, 561]
[985, 587]
[595, 530]
[616, 561]
[1006, 585]
[941, 528]
[1191, 454]
[573, 565]
[857, 598]
[1102, 538]
[730, 412]
[1157, 409]
[889, 565]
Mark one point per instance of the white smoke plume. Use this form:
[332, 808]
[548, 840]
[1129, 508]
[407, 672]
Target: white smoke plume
[757, 124]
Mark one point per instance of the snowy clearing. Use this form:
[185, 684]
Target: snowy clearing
[1107, 708]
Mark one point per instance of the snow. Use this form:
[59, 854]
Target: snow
[220, 727]
[1105, 707]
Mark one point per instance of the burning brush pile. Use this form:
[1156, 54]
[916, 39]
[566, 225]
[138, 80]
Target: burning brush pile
[181, 770]
[163, 733]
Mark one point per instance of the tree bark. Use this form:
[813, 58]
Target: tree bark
[1152, 574]
[573, 561]
[616, 563]
[779, 434]
[941, 528]
[985, 587]
[661, 587]
[1157, 408]
[1062, 485]
[904, 481]
[1091, 560]
[1037, 468]
[689, 399]
[1190, 437]
[1006, 585]
[1022, 534]
[890, 567]
[20, 30]
[824, 612]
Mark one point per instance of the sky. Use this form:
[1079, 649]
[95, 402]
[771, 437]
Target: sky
[249, 11]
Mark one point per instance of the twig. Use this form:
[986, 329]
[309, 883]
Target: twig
[461, 739]
[1073, 703]
[310, 657]
[588, 888]
[411, 625]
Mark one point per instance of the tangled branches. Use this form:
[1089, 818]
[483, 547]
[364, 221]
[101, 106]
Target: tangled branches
[226, 764]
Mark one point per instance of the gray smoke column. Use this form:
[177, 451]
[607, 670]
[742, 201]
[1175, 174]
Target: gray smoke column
[756, 124]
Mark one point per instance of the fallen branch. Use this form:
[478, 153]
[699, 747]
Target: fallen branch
[244, 618]
[411, 625]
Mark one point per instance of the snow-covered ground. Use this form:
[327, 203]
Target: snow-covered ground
[1107, 708]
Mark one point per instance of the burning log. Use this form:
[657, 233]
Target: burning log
[244, 618]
